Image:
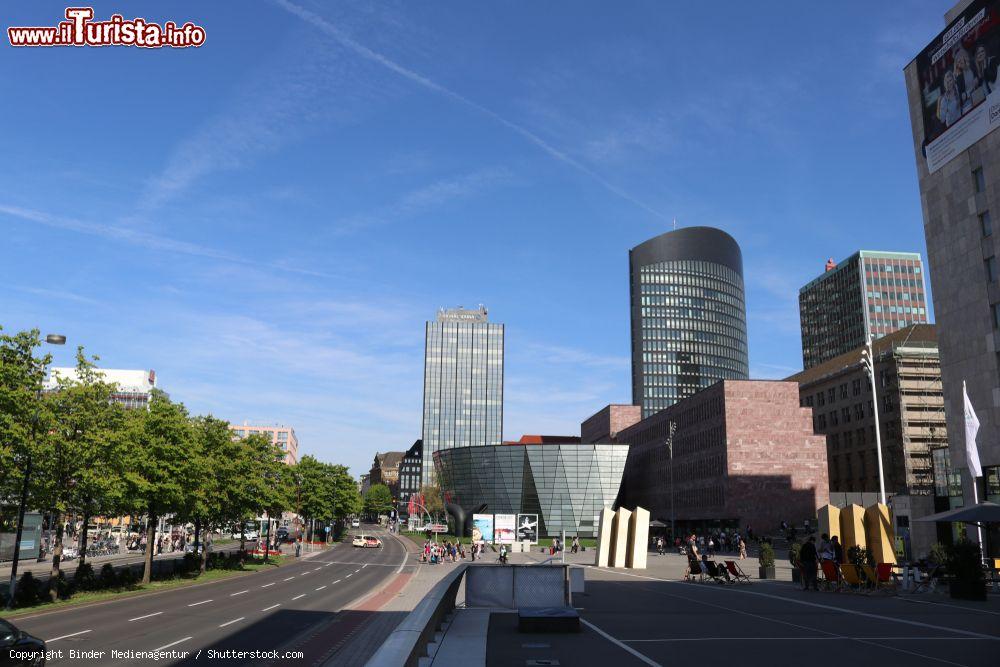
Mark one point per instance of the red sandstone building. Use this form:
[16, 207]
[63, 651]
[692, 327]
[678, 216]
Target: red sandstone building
[744, 454]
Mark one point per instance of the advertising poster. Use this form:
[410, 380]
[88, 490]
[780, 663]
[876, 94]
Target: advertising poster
[503, 527]
[958, 83]
[482, 527]
[527, 528]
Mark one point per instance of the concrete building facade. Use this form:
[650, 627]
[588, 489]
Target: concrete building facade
[463, 383]
[281, 435]
[133, 389]
[869, 293]
[410, 471]
[688, 315]
[606, 423]
[385, 470]
[958, 169]
[744, 455]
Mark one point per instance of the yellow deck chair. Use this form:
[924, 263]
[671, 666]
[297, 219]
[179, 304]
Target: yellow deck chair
[852, 577]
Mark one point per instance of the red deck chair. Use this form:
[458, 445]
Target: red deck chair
[831, 574]
[737, 573]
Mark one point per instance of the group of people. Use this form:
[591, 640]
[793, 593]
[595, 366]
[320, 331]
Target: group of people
[710, 544]
[445, 552]
[810, 557]
[700, 565]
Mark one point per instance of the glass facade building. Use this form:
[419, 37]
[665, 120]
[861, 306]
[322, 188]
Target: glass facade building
[566, 485]
[688, 315]
[463, 383]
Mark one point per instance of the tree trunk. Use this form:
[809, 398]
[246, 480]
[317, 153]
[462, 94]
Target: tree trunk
[203, 557]
[243, 536]
[83, 538]
[56, 557]
[147, 569]
[267, 539]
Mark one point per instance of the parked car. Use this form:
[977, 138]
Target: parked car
[372, 542]
[251, 535]
[14, 642]
[195, 548]
[70, 553]
[358, 541]
[282, 534]
[355, 523]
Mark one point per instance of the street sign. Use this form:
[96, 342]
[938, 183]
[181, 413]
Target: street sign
[439, 528]
[326, 529]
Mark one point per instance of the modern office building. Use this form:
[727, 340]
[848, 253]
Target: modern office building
[957, 152]
[869, 293]
[911, 423]
[688, 315]
[606, 423]
[134, 388]
[565, 483]
[410, 471]
[463, 383]
[283, 436]
[744, 455]
[385, 470]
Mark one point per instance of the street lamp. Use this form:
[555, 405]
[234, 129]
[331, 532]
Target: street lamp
[868, 361]
[670, 446]
[51, 339]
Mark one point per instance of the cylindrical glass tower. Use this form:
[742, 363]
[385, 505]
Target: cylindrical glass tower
[689, 325]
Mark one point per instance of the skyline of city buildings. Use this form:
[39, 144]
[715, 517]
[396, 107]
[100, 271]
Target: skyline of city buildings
[279, 434]
[688, 315]
[958, 171]
[869, 293]
[463, 383]
[134, 388]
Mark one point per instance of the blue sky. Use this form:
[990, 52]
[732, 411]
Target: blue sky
[268, 220]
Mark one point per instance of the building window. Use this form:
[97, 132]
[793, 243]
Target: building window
[996, 315]
[821, 421]
[856, 387]
[820, 399]
[986, 223]
[991, 268]
[831, 395]
[845, 414]
[833, 418]
[977, 175]
[843, 390]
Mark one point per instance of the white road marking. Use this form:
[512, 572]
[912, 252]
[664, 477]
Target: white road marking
[338, 581]
[349, 576]
[82, 632]
[195, 604]
[289, 578]
[171, 644]
[317, 569]
[139, 618]
[357, 570]
[298, 596]
[273, 606]
[266, 585]
[235, 620]
[321, 588]
[619, 644]
[232, 595]
[364, 566]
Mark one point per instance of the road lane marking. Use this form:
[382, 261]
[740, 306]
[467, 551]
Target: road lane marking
[273, 606]
[357, 570]
[235, 620]
[338, 581]
[317, 569]
[617, 643]
[298, 596]
[232, 595]
[195, 604]
[364, 566]
[349, 576]
[82, 632]
[139, 618]
[289, 578]
[156, 650]
[321, 588]
[266, 585]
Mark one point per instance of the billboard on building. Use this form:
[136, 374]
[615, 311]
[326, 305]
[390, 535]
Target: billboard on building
[503, 527]
[527, 528]
[482, 527]
[958, 83]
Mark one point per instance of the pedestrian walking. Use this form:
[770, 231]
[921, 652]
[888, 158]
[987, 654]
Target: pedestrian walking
[298, 547]
[659, 545]
[743, 549]
[576, 544]
[807, 564]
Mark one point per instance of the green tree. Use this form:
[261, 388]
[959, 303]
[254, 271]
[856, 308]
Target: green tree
[432, 500]
[158, 465]
[378, 499]
[256, 466]
[81, 459]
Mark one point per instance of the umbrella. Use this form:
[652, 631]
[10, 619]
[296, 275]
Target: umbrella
[657, 524]
[984, 512]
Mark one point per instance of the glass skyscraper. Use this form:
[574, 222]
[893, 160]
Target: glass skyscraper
[463, 383]
[688, 315]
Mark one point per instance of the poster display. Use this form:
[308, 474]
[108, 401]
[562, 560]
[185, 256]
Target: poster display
[527, 528]
[957, 73]
[503, 528]
[482, 527]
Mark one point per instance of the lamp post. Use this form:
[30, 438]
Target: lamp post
[868, 361]
[670, 448]
[51, 339]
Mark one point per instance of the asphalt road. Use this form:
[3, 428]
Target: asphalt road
[272, 610]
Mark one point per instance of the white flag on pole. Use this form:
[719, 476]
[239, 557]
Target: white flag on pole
[971, 429]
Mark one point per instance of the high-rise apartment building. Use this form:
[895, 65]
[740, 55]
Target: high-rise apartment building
[463, 383]
[133, 388]
[869, 293]
[688, 315]
[283, 436]
[954, 103]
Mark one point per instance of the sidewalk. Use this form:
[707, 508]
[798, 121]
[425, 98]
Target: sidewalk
[378, 615]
